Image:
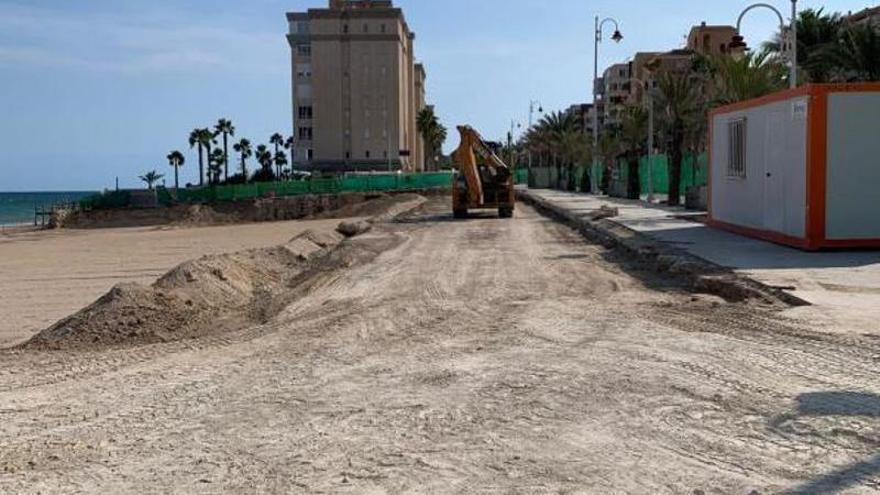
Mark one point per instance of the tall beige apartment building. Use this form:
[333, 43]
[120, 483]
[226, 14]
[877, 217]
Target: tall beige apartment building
[356, 88]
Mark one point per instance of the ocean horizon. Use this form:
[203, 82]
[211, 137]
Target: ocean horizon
[18, 207]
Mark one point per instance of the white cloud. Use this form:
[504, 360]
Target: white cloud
[134, 45]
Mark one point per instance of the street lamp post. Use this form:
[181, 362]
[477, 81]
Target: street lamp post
[540, 109]
[616, 37]
[738, 42]
[510, 139]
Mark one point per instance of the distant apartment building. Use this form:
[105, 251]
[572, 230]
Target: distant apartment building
[869, 16]
[625, 84]
[710, 40]
[616, 94]
[356, 88]
[583, 112]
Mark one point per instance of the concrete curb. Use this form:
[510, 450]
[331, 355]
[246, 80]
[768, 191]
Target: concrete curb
[702, 275]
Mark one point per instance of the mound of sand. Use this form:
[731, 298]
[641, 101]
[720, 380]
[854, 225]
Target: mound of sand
[194, 298]
[378, 208]
[215, 293]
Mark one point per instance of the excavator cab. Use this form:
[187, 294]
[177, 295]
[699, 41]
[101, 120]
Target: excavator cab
[482, 180]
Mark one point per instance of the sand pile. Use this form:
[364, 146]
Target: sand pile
[378, 208]
[216, 293]
[207, 294]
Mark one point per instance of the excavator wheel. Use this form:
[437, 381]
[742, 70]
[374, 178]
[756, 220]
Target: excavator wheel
[505, 212]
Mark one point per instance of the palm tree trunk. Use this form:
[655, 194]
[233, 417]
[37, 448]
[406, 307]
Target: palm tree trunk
[675, 166]
[225, 159]
[244, 169]
[201, 166]
[208, 150]
[176, 179]
[633, 184]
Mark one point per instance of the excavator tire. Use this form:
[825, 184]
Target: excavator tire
[505, 212]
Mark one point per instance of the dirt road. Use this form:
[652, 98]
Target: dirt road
[477, 356]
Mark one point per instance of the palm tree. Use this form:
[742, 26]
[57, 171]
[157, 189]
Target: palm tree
[264, 157]
[432, 131]
[750, 76]
[679, 101]
[817, 32]
[176, 160]
[225, 128]
[633, 134]
[216, 160]
[280, 161]
[205, 140]
[856, 56]
[609, 149]
[244, 149]
[151, 178]
[557, 130]
[278, 140]
[195, 139]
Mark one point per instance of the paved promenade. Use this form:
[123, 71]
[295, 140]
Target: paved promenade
[842, 286]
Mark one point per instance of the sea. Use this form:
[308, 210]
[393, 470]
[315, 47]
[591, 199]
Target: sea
[18, 207]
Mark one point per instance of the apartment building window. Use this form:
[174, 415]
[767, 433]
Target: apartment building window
[310, 154]
[367, 154]
[345, 28]
[348, 155]
[305, 112]
[304, 50]
[382, 28]
[302, 27]
[304, 70]
[305, 133]
[736, 159]
[366, 28]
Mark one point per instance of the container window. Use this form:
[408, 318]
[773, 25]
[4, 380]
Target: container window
[736, 159]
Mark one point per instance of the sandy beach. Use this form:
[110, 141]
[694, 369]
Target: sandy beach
[47, 275]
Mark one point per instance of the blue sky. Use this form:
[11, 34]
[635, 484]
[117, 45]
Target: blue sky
[95, 89]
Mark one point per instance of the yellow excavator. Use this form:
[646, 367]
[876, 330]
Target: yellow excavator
[482, 180]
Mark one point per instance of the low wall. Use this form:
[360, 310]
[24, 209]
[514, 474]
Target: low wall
[252, 211]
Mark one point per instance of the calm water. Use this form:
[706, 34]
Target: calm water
[19, 207]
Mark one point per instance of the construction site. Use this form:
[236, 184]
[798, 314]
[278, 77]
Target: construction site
[599, 303]
[389, 347]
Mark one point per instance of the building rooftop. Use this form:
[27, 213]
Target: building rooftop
[865, 14]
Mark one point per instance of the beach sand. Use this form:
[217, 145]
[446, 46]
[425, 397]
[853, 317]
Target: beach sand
[48, 275]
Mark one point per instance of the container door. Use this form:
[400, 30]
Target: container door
[774, 173]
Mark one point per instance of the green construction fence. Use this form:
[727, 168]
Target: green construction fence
[243, 192]
[694, 172]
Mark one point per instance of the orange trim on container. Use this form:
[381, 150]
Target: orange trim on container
[817, 167]
[709, 163]
[765, 235]
[850, 243]
[759, 102]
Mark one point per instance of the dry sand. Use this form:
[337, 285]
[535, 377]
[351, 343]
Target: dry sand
[48, 275]
[480, 356]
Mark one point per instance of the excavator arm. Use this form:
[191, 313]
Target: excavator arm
[465, 157]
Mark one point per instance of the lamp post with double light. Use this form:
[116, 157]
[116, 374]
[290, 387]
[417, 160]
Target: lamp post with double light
[617, 37]
[533, 106]
[738, 44]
